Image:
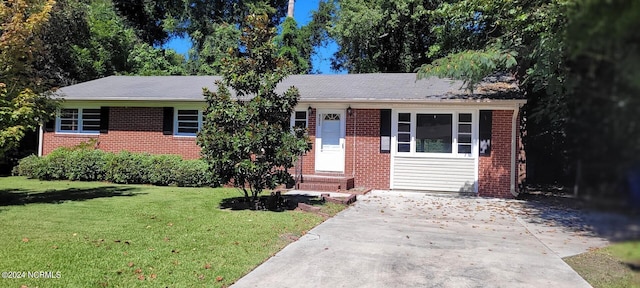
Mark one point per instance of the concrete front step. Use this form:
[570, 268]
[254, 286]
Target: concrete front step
[319, 186]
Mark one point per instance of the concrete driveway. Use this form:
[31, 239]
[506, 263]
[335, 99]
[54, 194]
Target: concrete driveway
[403, 239]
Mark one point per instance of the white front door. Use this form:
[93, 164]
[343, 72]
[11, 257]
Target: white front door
[330, 132]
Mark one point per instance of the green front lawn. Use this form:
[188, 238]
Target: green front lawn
[615, 266]
[108, 235]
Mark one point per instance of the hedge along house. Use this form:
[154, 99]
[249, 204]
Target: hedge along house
[383, 131]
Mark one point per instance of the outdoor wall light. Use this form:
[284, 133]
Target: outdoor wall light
[349, 111]
[309, 109]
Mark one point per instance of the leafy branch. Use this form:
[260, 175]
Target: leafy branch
[471, 66]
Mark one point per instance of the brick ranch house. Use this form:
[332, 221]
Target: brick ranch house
[383, 131]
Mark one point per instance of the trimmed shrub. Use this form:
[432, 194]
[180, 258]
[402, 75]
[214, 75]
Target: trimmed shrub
[194, 173]
[86, 165]
[162, 168]
[55, 165]
[28, 167]
[127, 168]
[89, 164]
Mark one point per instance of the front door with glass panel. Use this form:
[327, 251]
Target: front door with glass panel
[330, 132]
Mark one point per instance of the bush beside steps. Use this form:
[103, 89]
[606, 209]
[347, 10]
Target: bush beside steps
[89, 164]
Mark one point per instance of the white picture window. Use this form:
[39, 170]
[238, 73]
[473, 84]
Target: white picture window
[187, 122]
[78, 120]
[434, 133]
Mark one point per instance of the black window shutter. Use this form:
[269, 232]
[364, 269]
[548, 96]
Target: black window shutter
[167, 121]
[50, 125]
[385, 130]
[104, 120]
[485, 132]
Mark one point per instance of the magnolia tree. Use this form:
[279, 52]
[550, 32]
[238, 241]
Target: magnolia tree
[246, 136]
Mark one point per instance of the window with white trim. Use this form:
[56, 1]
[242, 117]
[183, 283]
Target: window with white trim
[78, 120]
[187, 122]
[299, 119]
[404, 132]
[434, 133]
[465, 133]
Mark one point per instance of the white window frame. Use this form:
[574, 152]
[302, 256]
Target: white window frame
[411, 132]
[293, 119]
[176, 110]
[80, 122]
[457, 129]
[454, 133]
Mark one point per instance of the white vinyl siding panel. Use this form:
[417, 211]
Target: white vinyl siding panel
[434, 174]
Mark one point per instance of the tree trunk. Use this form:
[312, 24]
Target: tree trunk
[290, 8]
[246, 194]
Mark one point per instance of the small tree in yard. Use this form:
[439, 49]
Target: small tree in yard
[246, 139]
[22, 105]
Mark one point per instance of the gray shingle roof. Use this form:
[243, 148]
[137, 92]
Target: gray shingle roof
[321, 88]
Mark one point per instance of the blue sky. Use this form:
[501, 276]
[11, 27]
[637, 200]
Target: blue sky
[302, 14]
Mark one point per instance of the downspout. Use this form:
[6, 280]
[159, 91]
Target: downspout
[514, 126]
[40, 139]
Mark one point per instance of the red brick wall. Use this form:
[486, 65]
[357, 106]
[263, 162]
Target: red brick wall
[140, 130]
[494, 171]
[308, 160]
[136, 129]
[372, 168]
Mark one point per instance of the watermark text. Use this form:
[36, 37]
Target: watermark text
[31, 274]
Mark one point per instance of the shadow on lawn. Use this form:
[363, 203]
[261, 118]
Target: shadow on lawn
[274, 202]
[22, 196]
[633, 266]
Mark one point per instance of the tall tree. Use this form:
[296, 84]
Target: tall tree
[603, 47]
[214, 27]
[22, 106]
[321, 22]
[68, 27]
[84, 41]
[146, 60]
[476, 38]
[200, 17]
[207, 60]
[577, 62]
[296, 46]
[246, 138]
[152, 21]
[109, 44]
[381, 35]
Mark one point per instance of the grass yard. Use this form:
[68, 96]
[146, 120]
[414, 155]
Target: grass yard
[108, 235]
[615, 266]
